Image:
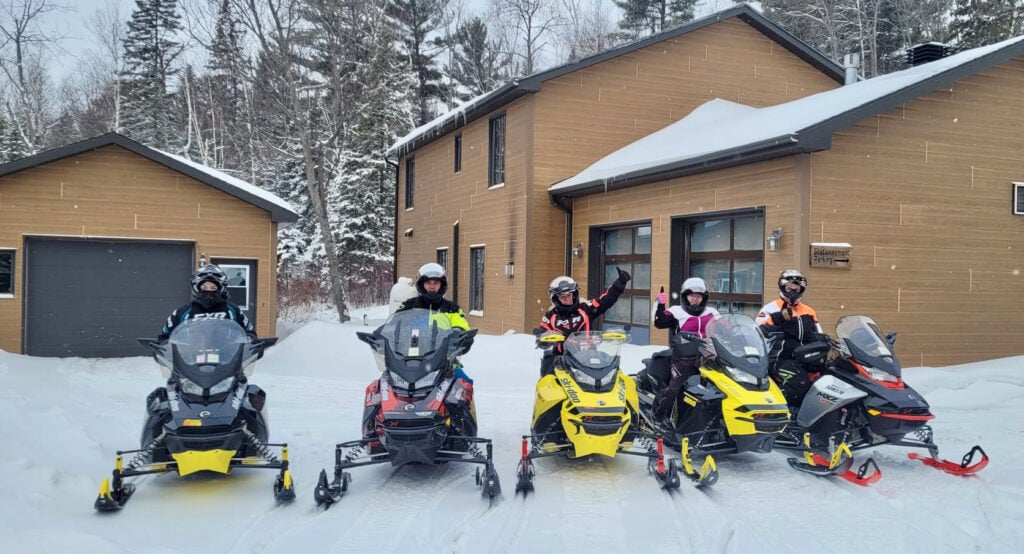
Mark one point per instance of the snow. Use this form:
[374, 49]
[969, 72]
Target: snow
[719, 126]
[64, 419]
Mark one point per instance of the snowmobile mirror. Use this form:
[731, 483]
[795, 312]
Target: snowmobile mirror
[891, 338]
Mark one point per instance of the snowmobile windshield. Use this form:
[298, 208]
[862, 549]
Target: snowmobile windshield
[207, 351]
[593, 356]
[866, 343]
[737, 343]
[416, 345]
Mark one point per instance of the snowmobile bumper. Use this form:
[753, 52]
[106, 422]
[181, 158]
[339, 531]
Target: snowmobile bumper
[192, 461]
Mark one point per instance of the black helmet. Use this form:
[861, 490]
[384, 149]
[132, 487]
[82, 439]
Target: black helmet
[431, 271]
[795, 277]
[694, 285]
[562, 284]
[213, 274]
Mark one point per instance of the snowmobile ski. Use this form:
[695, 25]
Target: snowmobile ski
[839, 463]
[963, 468]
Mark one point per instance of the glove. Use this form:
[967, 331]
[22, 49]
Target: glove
[624, 276]
[662, 298]
[782, 316]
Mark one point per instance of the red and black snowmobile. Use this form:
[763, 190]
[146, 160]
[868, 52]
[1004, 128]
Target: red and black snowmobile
[418, 411]
[860, 401]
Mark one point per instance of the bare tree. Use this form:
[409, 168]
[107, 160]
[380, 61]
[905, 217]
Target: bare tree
[528, 26]
[588, 29]
[29, 97]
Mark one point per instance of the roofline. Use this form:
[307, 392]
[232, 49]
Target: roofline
[277, 213]
[814, 138]
[531, 84]
[768, 149]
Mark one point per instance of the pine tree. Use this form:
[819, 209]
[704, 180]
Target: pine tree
[649, 17]
[477, 64]
[150, 50]
[416, 20]
[980, 22]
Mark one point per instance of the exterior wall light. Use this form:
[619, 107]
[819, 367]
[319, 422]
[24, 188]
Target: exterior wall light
[578, 250]
[510, 269]
[772, 240]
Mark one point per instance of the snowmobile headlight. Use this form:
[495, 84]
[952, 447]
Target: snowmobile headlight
[879, 375]
[583, 379]
[188, 387]
[426, 381]
[398, 381]
[741, 376]
[223, 386]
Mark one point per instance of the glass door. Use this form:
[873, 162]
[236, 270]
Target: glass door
[728, 253]
[630, 249]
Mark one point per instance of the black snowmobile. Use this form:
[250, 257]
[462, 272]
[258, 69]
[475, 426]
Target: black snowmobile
[208, 417]
[417, 412]
[731, 406]
[860, 401]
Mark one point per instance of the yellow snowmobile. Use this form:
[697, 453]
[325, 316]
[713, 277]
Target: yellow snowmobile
[588, 406]
[731, 406]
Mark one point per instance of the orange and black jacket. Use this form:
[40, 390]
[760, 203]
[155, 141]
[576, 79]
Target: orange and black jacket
[569, 320]
[798, 323]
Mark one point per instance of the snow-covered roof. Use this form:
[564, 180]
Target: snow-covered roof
[486, 103]
[280, 210]
[720, 133]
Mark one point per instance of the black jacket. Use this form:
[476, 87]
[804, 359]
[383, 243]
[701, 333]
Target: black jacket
[195, 310]
[568, 321]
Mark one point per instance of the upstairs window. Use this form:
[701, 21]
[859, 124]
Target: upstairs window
[458, 153]
[496, 152]
[410, 170]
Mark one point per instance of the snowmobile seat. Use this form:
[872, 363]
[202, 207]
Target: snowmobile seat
[659, 367]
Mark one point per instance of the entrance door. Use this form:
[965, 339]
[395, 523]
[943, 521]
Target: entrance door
[629, 248]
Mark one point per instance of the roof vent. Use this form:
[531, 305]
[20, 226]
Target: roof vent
[927, 52]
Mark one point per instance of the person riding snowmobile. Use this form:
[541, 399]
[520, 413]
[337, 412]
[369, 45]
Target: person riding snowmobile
[799, 325]
[692, 315]
[432, 284]
[209, 301]
[568, 315]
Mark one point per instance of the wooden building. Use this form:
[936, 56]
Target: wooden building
[473, 184]
[98, 241]
[900, 197]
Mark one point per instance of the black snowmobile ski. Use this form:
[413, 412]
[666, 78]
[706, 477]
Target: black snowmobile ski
[358, 453]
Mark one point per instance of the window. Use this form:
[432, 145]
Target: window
[1018, 199]
[496, 151]
[728, 253]
[7, 272]
[442, 258]
[410, 169]
[458, 153]
[476, 279]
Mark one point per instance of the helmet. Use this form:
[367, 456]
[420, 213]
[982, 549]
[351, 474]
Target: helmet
[561, 284]
[431, 271]
[213, 274]
[694, 285]
[792, 276]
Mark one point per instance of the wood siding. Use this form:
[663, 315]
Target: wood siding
[923, 193]
[572, 122]
[113, 193]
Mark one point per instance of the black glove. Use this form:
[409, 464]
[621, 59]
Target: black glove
[782, 316]
[624, 276]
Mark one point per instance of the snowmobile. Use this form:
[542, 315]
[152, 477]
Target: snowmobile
[207, 418]
[418, 411]
[588, 406]
[860, 401]
[731, 406]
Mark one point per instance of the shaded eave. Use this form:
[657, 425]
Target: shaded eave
[813, 138]
[277, 213]
[528, 85]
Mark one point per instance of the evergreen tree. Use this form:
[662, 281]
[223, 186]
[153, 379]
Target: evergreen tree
[649, 17]
[416, 20]
[225, 125]
[150, 50]
[477, 64]
[980, 22]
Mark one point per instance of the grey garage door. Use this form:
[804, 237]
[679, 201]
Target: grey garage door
[92, 298]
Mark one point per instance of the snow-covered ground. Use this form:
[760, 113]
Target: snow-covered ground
[62, 419]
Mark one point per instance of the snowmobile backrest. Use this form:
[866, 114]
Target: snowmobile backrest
[659, 366]
[812, 353]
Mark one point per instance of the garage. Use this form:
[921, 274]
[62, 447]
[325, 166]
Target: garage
[92, 298]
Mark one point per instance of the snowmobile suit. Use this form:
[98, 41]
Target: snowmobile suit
[685, 361]
[799, 325]
[569, 321]
[195, 310]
